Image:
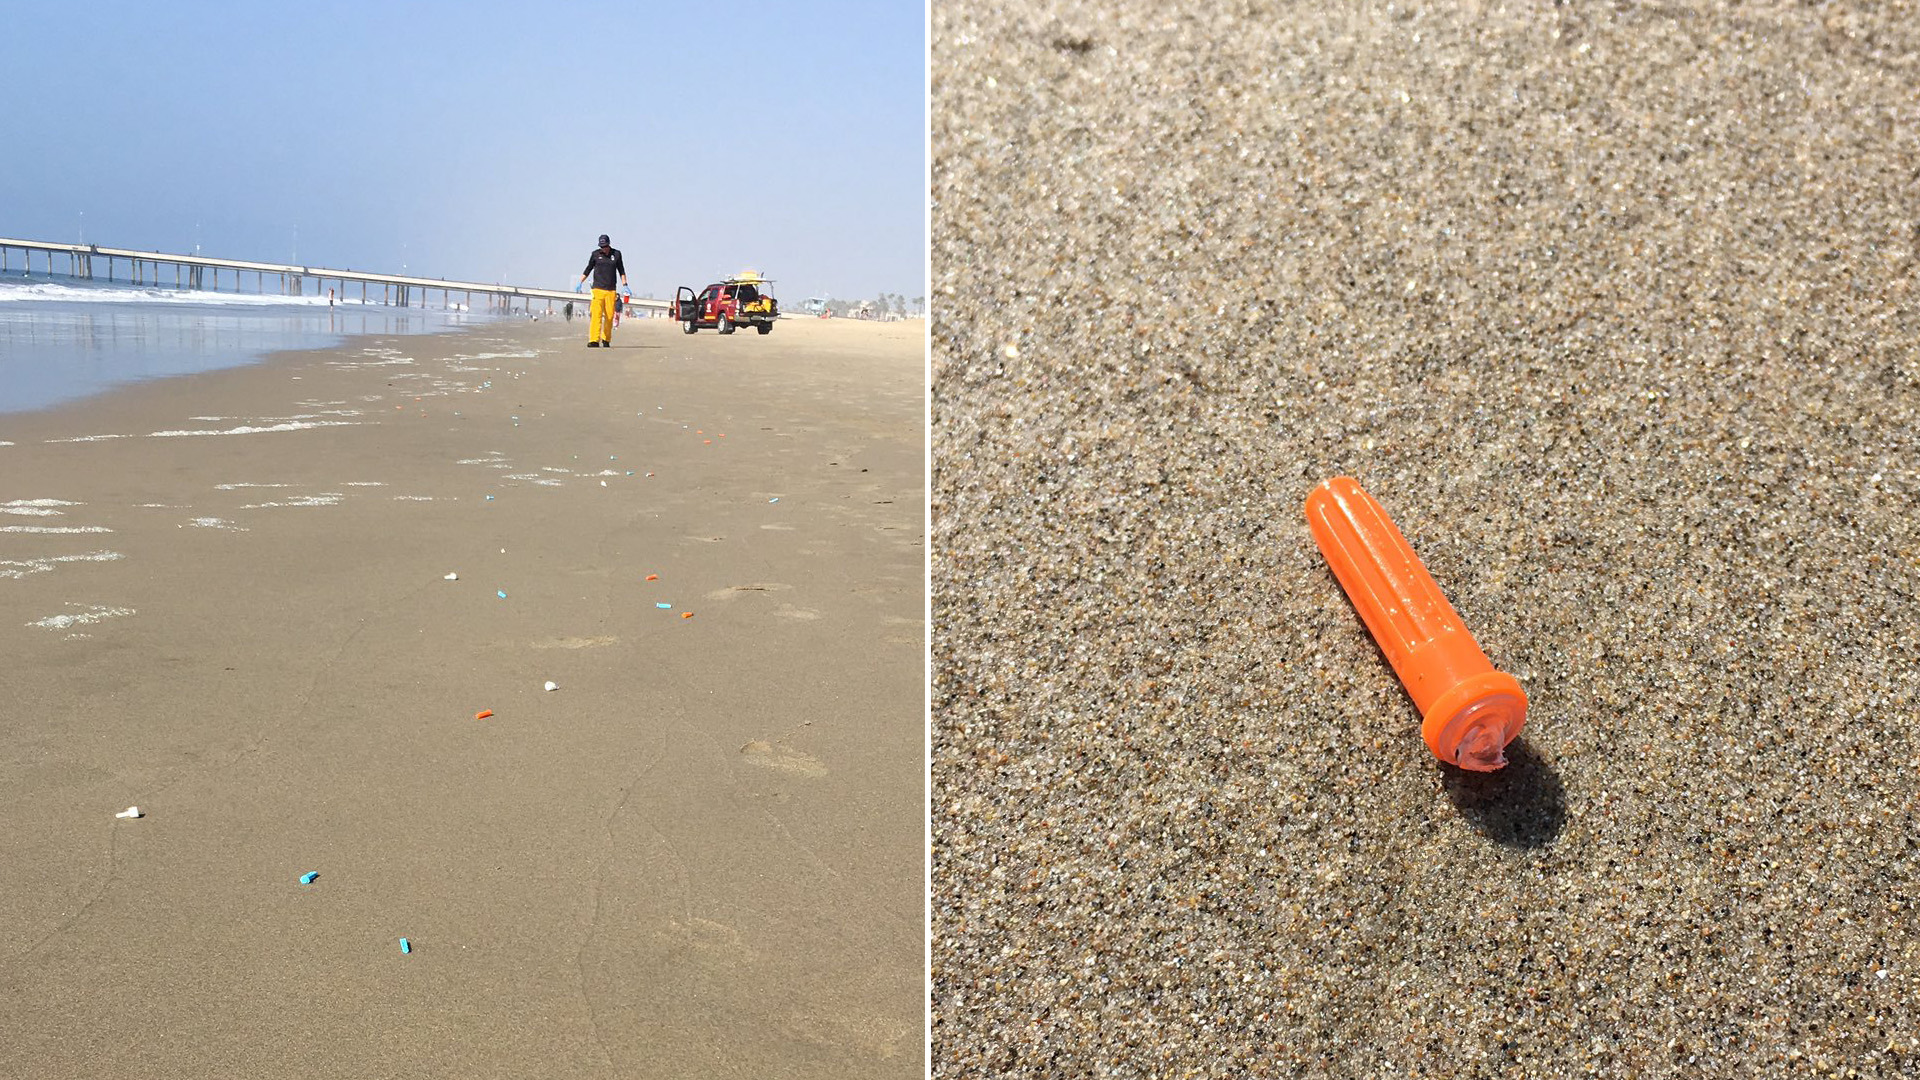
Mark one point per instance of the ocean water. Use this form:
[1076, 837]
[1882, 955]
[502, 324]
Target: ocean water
[63, 339]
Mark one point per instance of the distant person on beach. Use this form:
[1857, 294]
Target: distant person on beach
[602, 265]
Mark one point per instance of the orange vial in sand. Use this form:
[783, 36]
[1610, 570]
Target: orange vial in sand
[1471, 710]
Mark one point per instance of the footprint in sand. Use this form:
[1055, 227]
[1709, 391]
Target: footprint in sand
[732, 591]
[60, 773]
[784, 611]
[917, 626]
[575, 643]
[782, 759]
[713, 942]
[867, 1035]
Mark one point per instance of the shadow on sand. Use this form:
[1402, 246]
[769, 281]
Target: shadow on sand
[1523, 805]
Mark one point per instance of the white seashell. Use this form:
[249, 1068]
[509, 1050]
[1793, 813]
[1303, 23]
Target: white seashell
[551, 685]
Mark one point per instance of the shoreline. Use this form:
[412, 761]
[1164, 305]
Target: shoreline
[144, 394]
[75, 350]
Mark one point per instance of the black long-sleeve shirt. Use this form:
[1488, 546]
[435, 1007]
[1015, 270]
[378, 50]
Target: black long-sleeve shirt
[605, 266]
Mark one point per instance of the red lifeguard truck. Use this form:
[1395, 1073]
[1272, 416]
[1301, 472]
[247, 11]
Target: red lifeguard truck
[744, 299]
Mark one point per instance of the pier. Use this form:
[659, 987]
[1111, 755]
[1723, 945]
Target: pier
[90, 262]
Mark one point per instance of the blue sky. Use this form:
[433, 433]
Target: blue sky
[482, 140]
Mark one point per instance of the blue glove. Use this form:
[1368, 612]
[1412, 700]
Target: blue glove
[577, 284]
[626, 292]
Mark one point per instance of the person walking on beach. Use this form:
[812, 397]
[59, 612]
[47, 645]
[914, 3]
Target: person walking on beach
[602, 265]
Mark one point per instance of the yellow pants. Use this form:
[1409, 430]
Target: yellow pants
[600, 323]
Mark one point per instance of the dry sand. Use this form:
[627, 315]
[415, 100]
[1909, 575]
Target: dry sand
[1612, 307]
[700, 856]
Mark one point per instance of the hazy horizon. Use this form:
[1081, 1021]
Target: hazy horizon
[478, 142]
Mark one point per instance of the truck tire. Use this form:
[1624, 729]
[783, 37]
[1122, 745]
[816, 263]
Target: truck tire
[726, 325]
[688, 327]
[764, 328]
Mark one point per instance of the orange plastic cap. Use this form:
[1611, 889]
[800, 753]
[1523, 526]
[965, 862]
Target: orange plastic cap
[1471, 711]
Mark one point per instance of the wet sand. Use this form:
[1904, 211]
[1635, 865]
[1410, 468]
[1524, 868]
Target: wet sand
[1613, 309]
[702, 855]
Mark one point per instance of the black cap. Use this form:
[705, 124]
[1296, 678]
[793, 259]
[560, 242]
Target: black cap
[604, 242]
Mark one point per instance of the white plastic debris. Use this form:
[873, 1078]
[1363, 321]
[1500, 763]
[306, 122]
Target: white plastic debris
[452, 577]
[131, 811]
[551, 685]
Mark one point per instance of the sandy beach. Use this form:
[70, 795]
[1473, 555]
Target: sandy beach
[227, 602]
[1613, 309]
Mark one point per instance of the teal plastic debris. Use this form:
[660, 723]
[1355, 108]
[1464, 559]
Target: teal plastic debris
[307, 878]
[663, 605]
[405, 945]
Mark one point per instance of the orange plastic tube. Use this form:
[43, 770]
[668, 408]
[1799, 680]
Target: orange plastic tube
[1471, 711]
